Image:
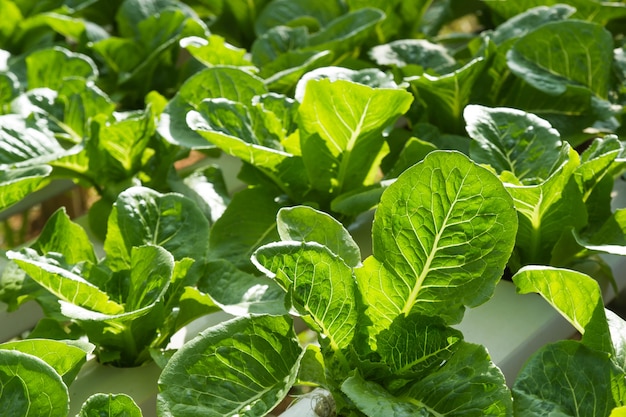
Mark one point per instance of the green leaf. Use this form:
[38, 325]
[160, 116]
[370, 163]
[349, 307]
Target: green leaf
[445, 96]
[147, 217]
[52, 67]
[62, 236]
[617, 327]
[568, 378]
[432, 343]
[442, 235]
[240, 293]
[546, 211]
[215, 51]
[559, 54]
[226, 82]
[17, 183]
[29, 387]
[576, 296]
[341, 127]
[248, 222]
[515, 141]
[63, 283]
[66, 358]
[242, 367]
[109, 405]
[25, 141]
[148, 261]
[305, 224]
[408, 52]
[528, 20]
[346, 32]
[319, 283]
[296, 13]
[467, 384]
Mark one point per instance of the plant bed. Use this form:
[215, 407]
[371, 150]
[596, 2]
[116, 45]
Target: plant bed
[402, 249]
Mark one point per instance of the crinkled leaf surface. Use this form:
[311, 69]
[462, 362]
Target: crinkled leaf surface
[576, 296]
[63, 283]
[320, 284]
[242, 367]
[27, 142]
[66, 358]
[226, 82]
[564, 53]
[467, 384]
[305, 224]
[529, 20]
[568, 378]
[341, 126]
[515, 141]
[109, 405]
[442, 235]
[51, 67]
[29, 387]
[420, 52]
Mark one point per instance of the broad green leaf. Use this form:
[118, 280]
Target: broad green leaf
[248, 222]
[564, 53]
[517, 26]
[276, 42]
[9, 88]
[66, 358]
[442, 235]
[62, 236]
[25, 141]
[52, 67]
[305, 224]
[341, 125]
[109, 405]
[232, 127]
[346, 32]
[402, 17]
[600, 12]
[467, 384]
[297, 13]
[63, 283]
[240, 293]
[373, 400]
[407, 52]
[575, 295]
[319, 283]
[148, 261]
[147, 217]
[618, 412]
[445, 96]
[415, 345]
[242, 367]
[546, 211]
[225, 82]
[515, 141]
[17, 183]
[568, 378]
[359, 201]
[29, 387]
[283, 74]
[215, 51]
[116, 147]
[132, 13]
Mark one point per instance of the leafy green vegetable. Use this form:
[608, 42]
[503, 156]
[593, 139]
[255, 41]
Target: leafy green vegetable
[103, 405]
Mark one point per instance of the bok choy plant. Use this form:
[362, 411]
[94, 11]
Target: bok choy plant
[133, 299]
[442, 235]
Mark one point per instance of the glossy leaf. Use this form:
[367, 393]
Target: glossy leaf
[29, 387]
[568, 378]
[63, 283]
[341, 131]
[17, 183]
[66, 358]
[242, 367]
[576, 296]
[442, 235]
[51, 67]
[109, 405]
[319, 283]
[305, 224]
[515, 141]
